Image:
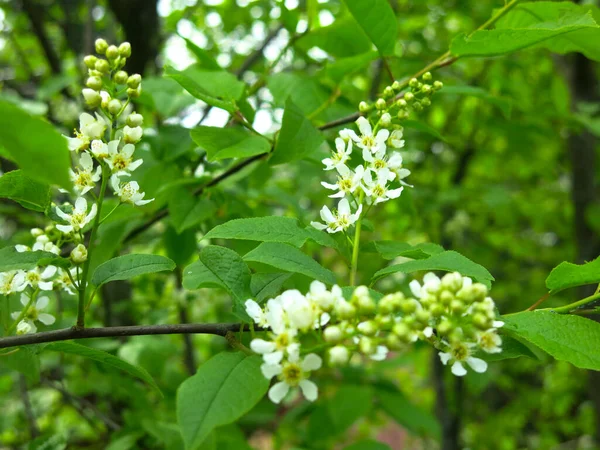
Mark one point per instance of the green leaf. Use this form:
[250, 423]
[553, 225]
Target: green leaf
[264, 229]
[424, 128]
[298, 137]
[129, 266]
[11, 259]
[222, 143]
[204, 58]
[349, 404]
[223, 268]
[511, 348]
[449, 261]
[103, 358]
[343, 67]
[267, 285]
[180, 247]
[24, 190]
[24, 361]
[565, 337]
[216, 83]
[503, 103]
[378, 21]
[343, 38]
[567, 275]
[187, 211]
[37, 148]
[289, 258]
[193, 88]
[502, 41]
[225, 388]
[392, 249]
[408, 415]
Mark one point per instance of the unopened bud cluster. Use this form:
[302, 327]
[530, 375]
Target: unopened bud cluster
[454, 314]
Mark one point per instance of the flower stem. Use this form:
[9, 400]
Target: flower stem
[356, 243]
[23, 312]
[568, 308]
[86, 265]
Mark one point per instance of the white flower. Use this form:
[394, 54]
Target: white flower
[380, 161]
[33, 313]
[378, 190]
[460, 353]
[78, 143]
[347, 182]
[293, 373]
[121, 162]
[129, 192]
[39, 278]
[46, 246]
[79, 218]
[273, 351]
[90, 127]
[341, 155]
[323, 298]
[431, 285]
[256, 313]
[22, 248]
[380, 353]
[101, 150]
[200, 171]
[367, 140]
[63, 281]
[24, 327]
[395, 139]
[489, 341]
[340, 221]
[132, 135]
[13, 281]
[91, 96]
[300, 311]
[85, 178]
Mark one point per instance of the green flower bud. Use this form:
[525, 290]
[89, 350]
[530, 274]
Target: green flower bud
[134, 81]
[135, 120]
[101, 46]
[413, 82]
[425, 102]
[402, 331]
[102, 66]
[380, 104]
[481, 321]
[456, 306]
[396, 85]
[333, 334]
[134, 93]
[452, 281]
[409, 97]
[366, 346]
[385, 120]
[338, 355]
[445, 327]
[437, 310]
[90, 61]
[409, 306]
[48, 228]
[479, 292]
[427, 76]
[114, 106]
[125, 50]
[79, 254]
[120, 77]
[36, 232]
[368, 328]
[92, 98]
[417, 106]
[393, 342]
[426, 89]
[363, 107]
[345, 310]
[384, 322]
[390, 303]
[388, 92]
[446, 297]
[423, 316]
[437, 85]
[112, 52]
[94, 83]
[401, 103]
[366, 305]
[402, 114]
[428, 299]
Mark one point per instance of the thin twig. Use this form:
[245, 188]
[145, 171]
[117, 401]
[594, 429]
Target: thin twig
[34, 431]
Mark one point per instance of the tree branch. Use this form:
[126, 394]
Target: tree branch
[218, 329]
[36, 17]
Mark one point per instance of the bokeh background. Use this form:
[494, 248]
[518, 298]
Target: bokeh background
[504, 171]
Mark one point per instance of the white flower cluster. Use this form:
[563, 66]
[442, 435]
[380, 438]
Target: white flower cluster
[99, 159]
[370, 180]
[454, 314]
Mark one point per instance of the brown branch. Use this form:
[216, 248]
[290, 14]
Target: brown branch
[35, 14]
[34, 431]
[66, 334]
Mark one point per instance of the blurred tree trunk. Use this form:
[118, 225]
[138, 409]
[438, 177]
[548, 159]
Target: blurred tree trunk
[139, 19]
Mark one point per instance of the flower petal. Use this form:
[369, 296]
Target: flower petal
[478, 365]
[46, 319]
[458, 369]
[278, 392]
[309, 390]
[311, 362]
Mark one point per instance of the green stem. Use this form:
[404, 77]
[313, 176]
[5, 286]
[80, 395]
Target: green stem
[86, 266]
[568, 308]
[23, 312]
[356, 243]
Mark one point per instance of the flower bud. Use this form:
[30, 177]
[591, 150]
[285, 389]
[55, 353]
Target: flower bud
[79, 254]
[446, 297]
[112, 52]
[452, 281]
[366, 305]
[134, 80]
[114, 106]
[102, 66]
[105, 99]
[427, 76]
[363, 107]
[90, 61]
[380, 103]
[417, 106]
[437, 310]
[120, 77]
[92, 97]
[401, 103]
[445, 327]
[396, 85]
[386, 119]
[24, 328]
[402, 331]
[49, 228]
[132, 135]
[135, 120]
[133, 93]
[366, 346]
[368, 328]
[423, 316]
[426, 89]
[409, 306]
[388, 304]
[345, 310]
[384, 322]
[388, 92]
[338, 355]
[393, 342]
[36, 232]
[413, 82]
[437, 85]
[94, 83]
[479, 292]
[101, 46]
[125, 50]
[402, 114]
[425, 102]
[409, 97]
[428, 299]
[456, 306]
[481, 321]
[333, 334]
